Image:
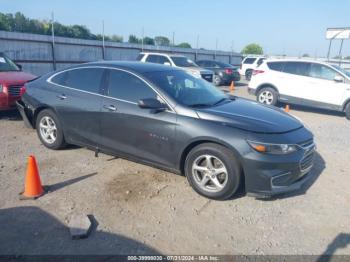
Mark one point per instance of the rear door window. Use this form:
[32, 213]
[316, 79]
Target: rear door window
[276, 66]
[125, 86]
[158, 59]
[85, 79]
[297, 68]
[249, 60]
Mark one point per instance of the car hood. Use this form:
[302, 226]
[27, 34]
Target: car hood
[16, 77]
[251, 116]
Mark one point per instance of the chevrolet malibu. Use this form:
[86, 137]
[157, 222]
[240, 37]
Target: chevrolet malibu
[167, 118]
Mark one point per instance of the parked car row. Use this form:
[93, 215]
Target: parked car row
[213, 71]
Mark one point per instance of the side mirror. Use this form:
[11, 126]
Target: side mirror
[167, 63]
[338, 79]
[19, 66]
[151, 103]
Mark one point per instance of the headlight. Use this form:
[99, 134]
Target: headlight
[1, 88]
[276, 149]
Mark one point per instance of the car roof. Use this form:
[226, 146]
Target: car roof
[154, 53]
[137, 67]
[297, 60]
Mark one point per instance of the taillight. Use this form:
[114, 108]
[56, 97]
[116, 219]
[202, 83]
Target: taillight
[255, 72]
[228, 71]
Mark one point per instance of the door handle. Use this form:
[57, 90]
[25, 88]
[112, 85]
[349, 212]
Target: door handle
[62, 97]
[111, 108]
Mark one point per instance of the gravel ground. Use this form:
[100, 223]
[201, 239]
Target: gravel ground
[138, 209]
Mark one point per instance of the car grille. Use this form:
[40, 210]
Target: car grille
[14, 90]
[208, 77]
[307, 162]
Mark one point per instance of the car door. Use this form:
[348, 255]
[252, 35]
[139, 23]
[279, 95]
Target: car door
[128, 129]
[78, 103]
[323, 87]
[293, 80]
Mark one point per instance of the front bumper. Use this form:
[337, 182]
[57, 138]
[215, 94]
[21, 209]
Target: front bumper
[268, 175]
[7, 102]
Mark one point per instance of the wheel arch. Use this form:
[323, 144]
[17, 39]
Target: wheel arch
[265, 85]
[193, 144]
[345, 104]
[38, 110]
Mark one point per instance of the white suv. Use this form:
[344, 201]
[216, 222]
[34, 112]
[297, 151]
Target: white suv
[250, 63]
[302, 82]
[177, 61]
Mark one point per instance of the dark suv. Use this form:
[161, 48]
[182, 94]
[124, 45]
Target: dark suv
[162, 116]
[223, 73]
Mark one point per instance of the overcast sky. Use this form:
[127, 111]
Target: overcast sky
[291, 27]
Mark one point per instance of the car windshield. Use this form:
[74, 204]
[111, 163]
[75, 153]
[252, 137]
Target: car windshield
[345, 72]
[183, 61]
[186, 89]
[7, 65]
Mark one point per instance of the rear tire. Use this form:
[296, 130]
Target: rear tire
[248, 74]
[347, 111]
[217, 80]
[268, 96]
[213, 171]
[49, 130]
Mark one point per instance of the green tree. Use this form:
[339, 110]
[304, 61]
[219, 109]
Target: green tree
[133, 39]
[162, 41]
[306, 55]
[253, 49]
[347, 57]
[148, 40]
[184, 45]
[117, 38]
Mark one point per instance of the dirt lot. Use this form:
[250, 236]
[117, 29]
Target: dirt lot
[139, 209]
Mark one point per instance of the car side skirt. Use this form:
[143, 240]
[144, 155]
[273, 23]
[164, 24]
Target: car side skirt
[310, 103]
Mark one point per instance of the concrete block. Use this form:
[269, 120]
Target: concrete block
[79, 226]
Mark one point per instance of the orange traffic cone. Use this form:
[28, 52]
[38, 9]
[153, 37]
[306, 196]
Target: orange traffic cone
[32, 188]
[286, 109]
[232, 87]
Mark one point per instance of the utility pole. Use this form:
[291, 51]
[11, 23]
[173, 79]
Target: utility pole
[216, 48]
[197, 47]
[103, 40]
[173, 38]
[53, 40]
[142, 36]
[340, 51]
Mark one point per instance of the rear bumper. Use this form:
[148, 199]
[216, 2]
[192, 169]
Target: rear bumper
[227, 79]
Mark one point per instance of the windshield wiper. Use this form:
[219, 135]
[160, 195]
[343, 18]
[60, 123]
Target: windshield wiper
[200, 105]
[220, 101]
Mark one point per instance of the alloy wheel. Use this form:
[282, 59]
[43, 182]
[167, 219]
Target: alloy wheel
[48, 129]
[266, 97]
[209, 173]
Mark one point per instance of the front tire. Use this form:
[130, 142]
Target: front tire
[347, 111]
[50, 130]
[213, 171]
[268, 96]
